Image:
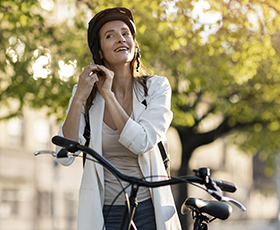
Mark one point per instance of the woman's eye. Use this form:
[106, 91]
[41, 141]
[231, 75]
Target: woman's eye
[110, 36]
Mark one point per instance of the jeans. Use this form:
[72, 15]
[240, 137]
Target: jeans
[144, 217]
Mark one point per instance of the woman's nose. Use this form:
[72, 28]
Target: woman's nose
[121, 39]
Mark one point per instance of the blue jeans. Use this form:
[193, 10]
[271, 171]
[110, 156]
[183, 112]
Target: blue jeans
[144, 217]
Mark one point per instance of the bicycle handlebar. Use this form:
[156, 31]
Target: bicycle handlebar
[202, 175]
[73, 146]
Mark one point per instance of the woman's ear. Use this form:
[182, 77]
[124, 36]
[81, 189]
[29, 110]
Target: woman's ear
[100, 54]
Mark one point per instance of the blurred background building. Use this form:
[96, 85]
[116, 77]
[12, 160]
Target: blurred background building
[35, 192]
[38, 194]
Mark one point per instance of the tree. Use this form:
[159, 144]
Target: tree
[232, 76]
[224, 69]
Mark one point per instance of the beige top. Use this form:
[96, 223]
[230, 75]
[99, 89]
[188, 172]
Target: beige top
[125, 161]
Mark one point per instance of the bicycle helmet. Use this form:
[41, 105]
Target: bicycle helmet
[104, 16]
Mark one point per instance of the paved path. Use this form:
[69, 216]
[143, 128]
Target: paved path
[262, 225]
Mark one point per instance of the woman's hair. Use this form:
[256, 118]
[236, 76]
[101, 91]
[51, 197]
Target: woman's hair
[138, 71]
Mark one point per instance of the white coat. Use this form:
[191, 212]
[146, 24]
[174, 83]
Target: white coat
[140, 136]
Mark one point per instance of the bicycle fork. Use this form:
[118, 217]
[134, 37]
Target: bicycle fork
[129, 210]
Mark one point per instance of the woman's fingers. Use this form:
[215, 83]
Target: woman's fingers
[87, 79]
[94, 73]
[107, 72]
[89, 70]
[94, 77]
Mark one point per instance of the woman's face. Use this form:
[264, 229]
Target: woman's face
[117, 43]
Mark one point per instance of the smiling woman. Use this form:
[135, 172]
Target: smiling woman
[129, 113]
[117, 44]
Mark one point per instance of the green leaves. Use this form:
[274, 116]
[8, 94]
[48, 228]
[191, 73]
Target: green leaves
[222, 63]
[234, 70]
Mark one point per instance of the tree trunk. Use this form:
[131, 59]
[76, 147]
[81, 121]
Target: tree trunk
[190, 141]
[184, 170]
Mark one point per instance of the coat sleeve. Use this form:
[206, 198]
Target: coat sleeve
[143, 133]
[69, 161]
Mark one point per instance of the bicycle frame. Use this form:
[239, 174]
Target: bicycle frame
[202, 177]
[128, 213]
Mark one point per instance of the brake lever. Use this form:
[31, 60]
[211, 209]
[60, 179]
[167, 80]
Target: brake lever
[235, 202]
[54, 154]
[217, 195]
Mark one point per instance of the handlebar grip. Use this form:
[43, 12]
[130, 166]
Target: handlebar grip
[225, 185]
[64, 142]
[62, 153]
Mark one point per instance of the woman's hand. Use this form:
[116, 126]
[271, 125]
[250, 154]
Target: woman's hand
[87, 79]
[105, 80]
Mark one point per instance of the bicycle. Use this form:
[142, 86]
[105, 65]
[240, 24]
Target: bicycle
[201, 209]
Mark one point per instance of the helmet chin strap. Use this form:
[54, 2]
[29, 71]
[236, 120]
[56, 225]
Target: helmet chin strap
[138, 56]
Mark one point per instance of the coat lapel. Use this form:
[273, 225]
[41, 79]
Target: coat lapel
[138, 104]
[96, 120]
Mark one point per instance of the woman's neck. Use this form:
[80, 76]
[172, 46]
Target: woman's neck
[123, 80]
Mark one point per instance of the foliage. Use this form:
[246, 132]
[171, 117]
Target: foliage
[233, 75]
[223, 63]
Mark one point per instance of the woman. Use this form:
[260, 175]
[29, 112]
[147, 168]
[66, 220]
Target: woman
[128, 113]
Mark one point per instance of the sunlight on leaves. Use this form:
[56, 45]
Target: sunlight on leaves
[66, 70]
[39, 67]
[47, 4]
